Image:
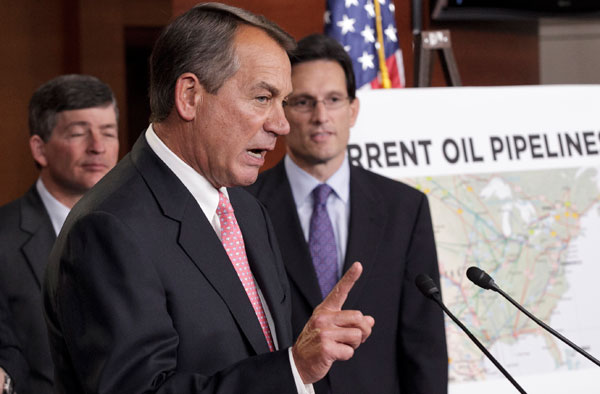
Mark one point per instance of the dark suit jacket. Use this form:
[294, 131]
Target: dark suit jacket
[26, 238]
[141, 297]
[391, 235]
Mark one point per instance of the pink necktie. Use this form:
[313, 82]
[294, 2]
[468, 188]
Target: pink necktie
[232, 240]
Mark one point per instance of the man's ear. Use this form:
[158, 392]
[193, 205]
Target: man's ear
[354, 107]
[38, 150]
[188, 95]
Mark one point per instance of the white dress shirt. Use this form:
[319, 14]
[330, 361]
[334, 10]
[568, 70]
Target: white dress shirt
[56, 210]
[338, 203]
[207, 198]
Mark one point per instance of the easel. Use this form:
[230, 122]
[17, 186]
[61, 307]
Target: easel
[427, 42]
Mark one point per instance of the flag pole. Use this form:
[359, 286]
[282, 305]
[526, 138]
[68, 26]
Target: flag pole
[386, 83]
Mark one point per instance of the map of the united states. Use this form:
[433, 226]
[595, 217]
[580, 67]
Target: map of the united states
[522, 228]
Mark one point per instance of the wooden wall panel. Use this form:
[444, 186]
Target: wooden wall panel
[147, 13]
[102, 43]
[493, 54]
[299, 18]
[32, 49]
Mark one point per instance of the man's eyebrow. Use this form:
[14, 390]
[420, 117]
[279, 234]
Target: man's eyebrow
[306, 95]
[85, 123]
[77, 123]
[267, 86]
[301, 95]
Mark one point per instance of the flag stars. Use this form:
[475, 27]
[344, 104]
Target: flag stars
[368, 34]
[366, 61]
[370, 8]
[346, 24]
[390, 33]
[355, 29]
[327, 17]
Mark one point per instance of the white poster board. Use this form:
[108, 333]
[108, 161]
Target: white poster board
[512, 178]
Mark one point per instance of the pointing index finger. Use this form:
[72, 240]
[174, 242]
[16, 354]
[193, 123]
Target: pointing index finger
[335, 300]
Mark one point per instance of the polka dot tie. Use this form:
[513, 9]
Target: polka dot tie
[233, 242]
[321, 241]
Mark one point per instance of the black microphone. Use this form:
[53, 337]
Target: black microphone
[430, 290]
[482, 279]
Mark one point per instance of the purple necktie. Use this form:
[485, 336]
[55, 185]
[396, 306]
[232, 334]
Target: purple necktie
[321, 241]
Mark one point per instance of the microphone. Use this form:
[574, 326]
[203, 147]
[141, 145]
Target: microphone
[430, 290]
[482, 279]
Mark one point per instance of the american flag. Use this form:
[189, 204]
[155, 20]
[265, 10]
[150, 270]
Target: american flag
[353, 23]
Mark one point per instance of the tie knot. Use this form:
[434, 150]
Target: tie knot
[320, 194]
[224, 206]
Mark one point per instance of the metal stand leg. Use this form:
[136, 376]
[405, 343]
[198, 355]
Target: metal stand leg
[439, 41]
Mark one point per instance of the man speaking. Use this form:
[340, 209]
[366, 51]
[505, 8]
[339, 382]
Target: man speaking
[167, 278]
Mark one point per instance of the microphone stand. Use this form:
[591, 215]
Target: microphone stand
[479, 345]
[481, 278]
[545, 326]
[430, 290]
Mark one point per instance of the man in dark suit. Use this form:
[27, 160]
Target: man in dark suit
[167, 278]
[74, 142]
[382, 223]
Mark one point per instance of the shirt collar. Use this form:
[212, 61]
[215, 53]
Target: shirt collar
[302, 183]
[201, 189]
[56, 210]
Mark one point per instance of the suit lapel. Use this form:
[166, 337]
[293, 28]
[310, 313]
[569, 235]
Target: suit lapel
[367, 222]
[35, 221]
[199, 241]
[277, 196]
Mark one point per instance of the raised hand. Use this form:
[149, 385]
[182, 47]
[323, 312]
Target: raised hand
[331, 333]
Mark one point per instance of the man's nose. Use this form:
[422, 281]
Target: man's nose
[319, 112]
[96, 143]
[277, 122]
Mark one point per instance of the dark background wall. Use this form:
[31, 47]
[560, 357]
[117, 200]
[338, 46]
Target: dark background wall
[112, 39]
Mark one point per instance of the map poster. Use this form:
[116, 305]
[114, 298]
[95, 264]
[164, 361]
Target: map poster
[512, 175]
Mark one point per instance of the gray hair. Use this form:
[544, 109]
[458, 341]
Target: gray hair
[65, 93]
[201, 42]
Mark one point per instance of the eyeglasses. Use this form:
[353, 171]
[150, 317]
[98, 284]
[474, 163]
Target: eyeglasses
[308, 104]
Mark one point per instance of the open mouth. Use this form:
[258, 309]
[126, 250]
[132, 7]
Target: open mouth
[256, 153]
